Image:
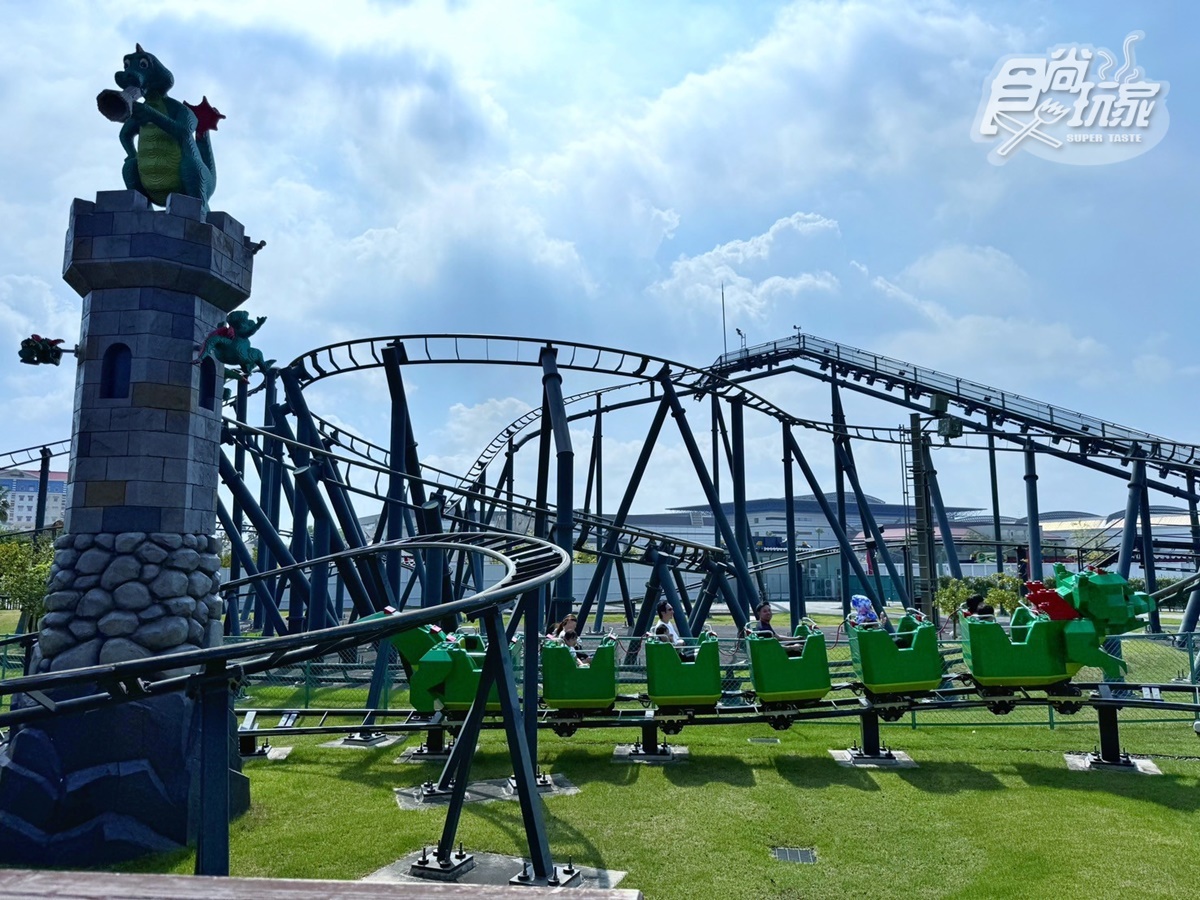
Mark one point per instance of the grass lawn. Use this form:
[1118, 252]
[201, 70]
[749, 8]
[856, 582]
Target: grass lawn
[990, 812]
[8, 620]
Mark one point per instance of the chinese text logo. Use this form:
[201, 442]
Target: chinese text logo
[1070, 106]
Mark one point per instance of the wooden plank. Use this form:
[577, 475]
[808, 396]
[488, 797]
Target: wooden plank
[19, 884]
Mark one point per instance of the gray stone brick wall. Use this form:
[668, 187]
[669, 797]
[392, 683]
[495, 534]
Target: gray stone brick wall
[157, 282]
[137, 572]
[115, 597]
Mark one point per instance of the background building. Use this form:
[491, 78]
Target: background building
[22, 488]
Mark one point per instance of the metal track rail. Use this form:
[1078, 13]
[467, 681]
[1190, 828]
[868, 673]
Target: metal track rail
[15, 459]
[336, 721]
[529, 563]
[861, 368]
[368, 479]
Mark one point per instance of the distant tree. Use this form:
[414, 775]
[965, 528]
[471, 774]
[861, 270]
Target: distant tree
[951, 594]
[3, 505]
[24, 570]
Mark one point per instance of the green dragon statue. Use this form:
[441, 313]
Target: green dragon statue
[173, 152]
[230, 345]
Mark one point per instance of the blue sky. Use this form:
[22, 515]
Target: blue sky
[594, 171]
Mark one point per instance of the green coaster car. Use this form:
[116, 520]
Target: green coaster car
[567, 685]
[443, 670]
[904, 663]
[673, 682]
[1032, 654]
[1055, 632]
[782, 675]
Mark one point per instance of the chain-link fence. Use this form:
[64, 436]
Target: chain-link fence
[343, 681]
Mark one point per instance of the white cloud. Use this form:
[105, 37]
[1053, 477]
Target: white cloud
[698, 281]
[965, 277]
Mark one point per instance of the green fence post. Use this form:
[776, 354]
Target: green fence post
[1050, 716]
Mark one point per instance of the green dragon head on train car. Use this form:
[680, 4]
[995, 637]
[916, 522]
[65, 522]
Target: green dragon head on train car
[1105, 598]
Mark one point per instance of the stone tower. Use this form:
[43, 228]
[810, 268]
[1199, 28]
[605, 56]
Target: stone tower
[136, 572]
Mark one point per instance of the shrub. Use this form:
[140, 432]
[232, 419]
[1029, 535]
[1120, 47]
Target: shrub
[952, 593]
[24, 570]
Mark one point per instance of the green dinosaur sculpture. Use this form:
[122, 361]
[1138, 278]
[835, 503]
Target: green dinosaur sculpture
[1107, 605]
[1104, 597]
[229, 344]
[173, 153]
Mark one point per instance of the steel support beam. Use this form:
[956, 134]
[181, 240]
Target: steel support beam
[498, 671]
[995, 481]
[939, 509]
[1148, 556]
[398, 444]
[839, 488]
[212, 839]
[795, 600]
[39, 514]
[1034, 521]
[925, 579]
[564, 526]
[612, 539]
[265, 602]
[872, 524]
[268, 534]
[839, 533]
[737, 559]
[1191, 612]
[741, 521]
[348, 570]
[1133, 501]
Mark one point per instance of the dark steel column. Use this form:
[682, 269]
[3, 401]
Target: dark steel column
[736, 557]
[789, 511]
[268, 492]
[1132, 501]
[397, 458]
[212, 841]
[872, 525]
[605, 557]
[1035, 526]
[839, 533]
[268, 535]
[39, 515]
[564, 500]
[1148, 556]
[716, 461]
[925, 579]
[995, 499]
[839, 487]
[741, 522]
[939, 509]
[264, 601]
[1191, 612]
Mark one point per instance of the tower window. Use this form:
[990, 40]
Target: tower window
[208, 384]
[114, 372]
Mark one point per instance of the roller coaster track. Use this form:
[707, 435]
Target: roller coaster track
[468, 349]
[861, 370]
[529, 563]
[740, 707]
[367, 478]
[16, 459]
